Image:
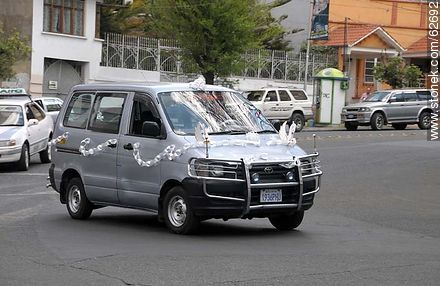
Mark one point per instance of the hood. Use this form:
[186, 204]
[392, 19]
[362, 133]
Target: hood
[6, 132]
[261, 153]
[364, 104]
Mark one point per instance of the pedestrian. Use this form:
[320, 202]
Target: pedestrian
[365, 95]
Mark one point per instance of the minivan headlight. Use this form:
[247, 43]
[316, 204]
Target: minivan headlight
[363, 109]
[207, 168]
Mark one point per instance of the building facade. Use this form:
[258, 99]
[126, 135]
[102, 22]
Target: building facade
[66, 48]
[366, 31]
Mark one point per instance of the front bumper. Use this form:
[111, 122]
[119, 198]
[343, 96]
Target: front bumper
[231, 198]
[360, 117]
[10, 154]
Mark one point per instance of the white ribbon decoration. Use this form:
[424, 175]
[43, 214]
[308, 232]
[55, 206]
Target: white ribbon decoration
[61, 138]
[170, 153]
[93, 151]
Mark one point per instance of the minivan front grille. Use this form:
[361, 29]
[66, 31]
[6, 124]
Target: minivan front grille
[271, 173]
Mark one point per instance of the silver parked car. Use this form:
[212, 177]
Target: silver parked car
[396, 107]
[187, 154]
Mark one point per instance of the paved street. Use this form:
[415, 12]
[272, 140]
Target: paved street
[376, 221]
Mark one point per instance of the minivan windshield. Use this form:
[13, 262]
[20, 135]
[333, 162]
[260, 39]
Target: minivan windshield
[11, 115]
[377, 96]
[222, 112]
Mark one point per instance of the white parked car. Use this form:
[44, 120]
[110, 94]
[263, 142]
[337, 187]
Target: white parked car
[283, 104]
[50, 105]
[25, 130]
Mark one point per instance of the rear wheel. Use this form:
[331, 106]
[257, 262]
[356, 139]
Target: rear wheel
[377, 121]
[178, 213]
[399, 126]
[299, 120]
[78, 206]
[287, 222]
[424, 120]
[23, 163]
[45, 155]
[351, 126]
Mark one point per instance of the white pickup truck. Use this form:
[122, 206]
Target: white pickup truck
[280, 104]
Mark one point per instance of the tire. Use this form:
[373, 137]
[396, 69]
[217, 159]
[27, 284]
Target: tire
[424, 120]
[45, 155]
[23, 163]
[78, 206]
[377, 121]
[399, 126]
[350, 126]
[178, 214]
[299, 120]
[287, 222]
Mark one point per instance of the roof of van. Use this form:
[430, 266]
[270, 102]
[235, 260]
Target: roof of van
[149, 87]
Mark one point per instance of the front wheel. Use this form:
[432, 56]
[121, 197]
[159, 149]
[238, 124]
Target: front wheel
[377, 121]
[299, 120]
[78, 206]
[287, 222]
[178, 213]
[424, 120]
[23, 163]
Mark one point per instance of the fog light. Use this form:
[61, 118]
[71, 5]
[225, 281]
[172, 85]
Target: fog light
[290, 176]
[12, 142]
[255, 177]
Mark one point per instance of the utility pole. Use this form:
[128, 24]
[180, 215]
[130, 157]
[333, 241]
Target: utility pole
[308, 45]
[344, 67]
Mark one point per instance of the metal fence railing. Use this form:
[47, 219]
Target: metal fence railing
[165, 56]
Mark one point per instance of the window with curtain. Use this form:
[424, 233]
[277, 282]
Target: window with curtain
[64, 17]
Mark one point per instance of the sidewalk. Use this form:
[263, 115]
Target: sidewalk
[327, 128]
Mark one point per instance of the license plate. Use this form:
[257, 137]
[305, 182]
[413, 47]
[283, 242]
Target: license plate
[271, 196]
[350, 116]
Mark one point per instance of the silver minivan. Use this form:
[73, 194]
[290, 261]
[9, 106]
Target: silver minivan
[396, 107]
[186, 153]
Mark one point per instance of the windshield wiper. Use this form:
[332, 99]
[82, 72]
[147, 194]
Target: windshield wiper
[228, 132]
[266, 131]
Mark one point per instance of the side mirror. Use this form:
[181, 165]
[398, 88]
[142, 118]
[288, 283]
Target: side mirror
[267, 98]
[32, 122]
[392, 99]
[150, 128]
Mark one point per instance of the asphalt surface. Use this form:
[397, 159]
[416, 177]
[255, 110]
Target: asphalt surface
[376, 221]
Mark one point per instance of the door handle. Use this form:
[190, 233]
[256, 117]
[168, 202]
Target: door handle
[128, 146]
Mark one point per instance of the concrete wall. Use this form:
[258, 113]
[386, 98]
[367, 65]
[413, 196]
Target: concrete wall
[109, 74]
[85, 49]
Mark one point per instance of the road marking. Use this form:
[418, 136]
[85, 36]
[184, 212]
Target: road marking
[24, 174]
[28, 194]
[20, 214]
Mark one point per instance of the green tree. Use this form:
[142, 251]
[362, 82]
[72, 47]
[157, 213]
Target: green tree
[395, 72]
[12, 49]
[214, 34]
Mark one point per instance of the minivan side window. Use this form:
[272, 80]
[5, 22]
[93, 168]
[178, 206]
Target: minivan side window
[78, 110]
[284, 96]
[298, 94]
[107, 112]
[143, 110]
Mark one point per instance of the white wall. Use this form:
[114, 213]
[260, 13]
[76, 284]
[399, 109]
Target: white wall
[109, 74]
[85, 49]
